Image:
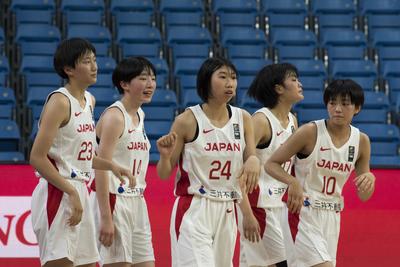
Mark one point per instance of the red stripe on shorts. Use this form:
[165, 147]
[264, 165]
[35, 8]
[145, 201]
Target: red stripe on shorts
[54, 196]
[261, 216]
[294, 219]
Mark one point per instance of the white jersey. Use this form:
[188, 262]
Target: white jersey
[325, 171]
[271, 190]
[209, 165]
[74, 145]
[131, 152]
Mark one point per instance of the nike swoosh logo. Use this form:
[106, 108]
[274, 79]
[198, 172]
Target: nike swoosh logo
[77, 114]
[207, 131]
[131, 131]
[278, 134]
[324, 148]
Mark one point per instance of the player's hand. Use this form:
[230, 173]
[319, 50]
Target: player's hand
[250, 174]
[76, 208]
[251, 228]
[121, 172]
[295, 196]
[106, 232]
[365, 183]
[166, 144]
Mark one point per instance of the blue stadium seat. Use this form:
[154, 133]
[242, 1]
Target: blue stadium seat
[181, 6]
[9, 135]
[7, 103]
[236, 20]
[67, 5]
[386, 53]
[37, 96]
[384, 149]
[38, 48]
[376, 100]
[105, 64]
[353, 68]
[243, 36]
[247, 51]
[158, 113]
[82, 17]
[12, 157]
[187, 66]
[156, 129]
[145, 50]
[312, 83]
[371, 116]
[394, 89]
[333, 7]
[190, 98]
[380, 132]
[100, 36]
[343, 37]
[32, 5]
[368, 7]
[202, 51]
[188, 35]
[313, 68]
[293, 37]
[335, 21]
[37, 33]
[37, 64]
[274, 21]
[104, 80]
[164, 98]
[284, 6]
[132, 18]
[305, 115]
[385, 37]
[173, 19]
[249, 103]
[379, 22]
[244, 82]
[367, 83]
[287, 52]
[2, 40]
[160, 65]
[138, 35]
[39, 79]
[345, 52]
[234, 6]
[187, 82]
[29, 16]
[249, 66]
[312, 100]
[390, 68]
[104, 97]
[131, 5]
[385, 162]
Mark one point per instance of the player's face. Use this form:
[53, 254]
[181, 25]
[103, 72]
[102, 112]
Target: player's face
[85, 71]
[341, 110]
[293, 89]
[142, 87]
[223, 84]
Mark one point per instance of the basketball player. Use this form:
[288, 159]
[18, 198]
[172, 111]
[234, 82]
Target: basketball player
[327, 151]
[62, 154]
[211, 140]
[121, 214]
[277, 88]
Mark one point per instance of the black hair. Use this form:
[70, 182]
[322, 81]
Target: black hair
[262, 87]
[69, 52]
[344, 88]
[205, 73]
[129, 68]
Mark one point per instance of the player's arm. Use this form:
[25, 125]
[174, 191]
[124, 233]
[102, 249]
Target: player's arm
[302, 141]
[56, 113]
[109, 129]
[251, 166]
[170, 146]
[262, 128]
[365, 180]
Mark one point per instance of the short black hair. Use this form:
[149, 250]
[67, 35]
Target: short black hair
[68, 53]
[128, 69]
[205, 73]
[344, 88]
[262, 87]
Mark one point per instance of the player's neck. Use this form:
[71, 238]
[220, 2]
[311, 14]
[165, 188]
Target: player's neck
[77, 92]
[338, 132]
[281, 112]
[130, 106]
[216, 112]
